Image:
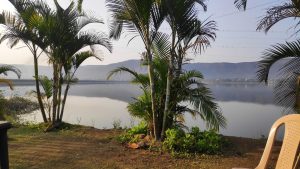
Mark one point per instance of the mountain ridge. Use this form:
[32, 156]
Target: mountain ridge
[211, 71]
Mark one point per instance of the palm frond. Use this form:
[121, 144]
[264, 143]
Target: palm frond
[7, 82]
[8, 68]
[274, 54]
[80, 57]
[79, 5]
[7, 18]
[47, 85]
[241, 4]
[277, 14]
[203, 33]
[162, 46]
[202, 100]
[137, 78]
[87, 38]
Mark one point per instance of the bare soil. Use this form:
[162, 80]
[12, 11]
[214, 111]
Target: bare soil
[88, 148]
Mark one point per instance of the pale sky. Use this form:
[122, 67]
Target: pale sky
[237, 39]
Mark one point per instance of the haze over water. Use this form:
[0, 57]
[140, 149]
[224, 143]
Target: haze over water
[249, 108]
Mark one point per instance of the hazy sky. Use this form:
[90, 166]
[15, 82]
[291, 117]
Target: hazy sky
[237, 39]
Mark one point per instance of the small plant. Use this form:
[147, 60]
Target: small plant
[177, 141]
[131, 135]
[10, 108]
[124, 138]
[141, 128]
[117, 124]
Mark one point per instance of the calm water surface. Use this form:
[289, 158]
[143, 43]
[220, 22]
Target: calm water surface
[248, 108]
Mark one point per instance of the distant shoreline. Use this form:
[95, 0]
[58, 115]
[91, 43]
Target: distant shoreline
[30, 82]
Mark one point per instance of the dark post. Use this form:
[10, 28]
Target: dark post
[4, 126]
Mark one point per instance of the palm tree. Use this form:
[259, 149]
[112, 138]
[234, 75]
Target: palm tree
[18, 28]
[8, 68]
[59, 35]
[287, 85]
[143, 18]
[187, 32]
[63, 31]
[189, 89]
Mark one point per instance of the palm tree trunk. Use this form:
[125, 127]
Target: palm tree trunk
[169, 82]
[64, 102]
[55, 91]
[59, 95]
[37, 85]
[153, 97]
[167, 101]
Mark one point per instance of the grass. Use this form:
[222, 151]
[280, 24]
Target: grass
[89, 148]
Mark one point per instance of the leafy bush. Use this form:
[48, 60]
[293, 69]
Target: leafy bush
[124, 138]
[193, 142]
[130, 135]
[117, 124]
[19, 105]
[12, 107]
[141, 128]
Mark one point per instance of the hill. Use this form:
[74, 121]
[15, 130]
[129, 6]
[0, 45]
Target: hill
[211, 71]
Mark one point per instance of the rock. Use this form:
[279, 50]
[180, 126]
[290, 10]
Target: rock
[138, 145]
[133, 145]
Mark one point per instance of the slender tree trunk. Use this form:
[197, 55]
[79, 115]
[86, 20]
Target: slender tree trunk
[179, 65]
[167, 101]
[37, 85]
[60, 82]
[55, 91]
[64, 102]
[169, 82]
[153, 97]
[70, 77]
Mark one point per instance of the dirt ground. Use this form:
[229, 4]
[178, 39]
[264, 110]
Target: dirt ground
[87, 148]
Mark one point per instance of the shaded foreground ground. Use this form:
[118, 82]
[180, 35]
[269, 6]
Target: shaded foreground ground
[87, 148]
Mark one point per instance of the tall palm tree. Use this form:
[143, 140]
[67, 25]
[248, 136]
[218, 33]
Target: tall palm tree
[19, 29]
[58, 33]
[8, 68]
[187, 31]
[142, 18]
[63, 31]
[189, 89]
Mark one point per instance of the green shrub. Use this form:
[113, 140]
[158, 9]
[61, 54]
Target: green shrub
[124, 138]
[117, 124]
[130, 135]
[12, 107]
[141, 128]
[208, 142]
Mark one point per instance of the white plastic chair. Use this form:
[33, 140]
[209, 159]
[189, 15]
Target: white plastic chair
[288, 157]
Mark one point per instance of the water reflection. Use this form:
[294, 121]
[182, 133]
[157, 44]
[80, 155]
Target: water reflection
[248, 108]
[251, 93]
[92, 111]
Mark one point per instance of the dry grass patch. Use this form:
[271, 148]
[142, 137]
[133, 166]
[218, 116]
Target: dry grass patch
[88, 148]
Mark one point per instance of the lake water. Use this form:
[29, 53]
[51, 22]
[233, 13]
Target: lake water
[248, 108]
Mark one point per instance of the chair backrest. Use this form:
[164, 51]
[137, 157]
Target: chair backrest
[289, 149]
